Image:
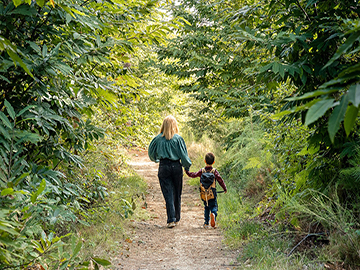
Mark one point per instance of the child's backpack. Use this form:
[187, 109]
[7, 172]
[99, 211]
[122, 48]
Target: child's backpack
[207, 185]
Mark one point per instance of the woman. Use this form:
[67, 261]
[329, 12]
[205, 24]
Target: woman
[169, 149]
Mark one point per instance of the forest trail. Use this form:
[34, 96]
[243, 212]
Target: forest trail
[188, 246]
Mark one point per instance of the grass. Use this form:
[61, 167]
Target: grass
[125, 201]
[262, 245]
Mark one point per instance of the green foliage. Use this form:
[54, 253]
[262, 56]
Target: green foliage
[211, 63]
[108, 218]
[248, 157]
[337, 218]
[266, 51]
[59, 63]
[264, 242]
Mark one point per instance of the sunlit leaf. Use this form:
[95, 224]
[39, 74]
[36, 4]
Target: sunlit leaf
[7, 191]
[17, 2]
[102, 262]
[39, 191]
[317, 110]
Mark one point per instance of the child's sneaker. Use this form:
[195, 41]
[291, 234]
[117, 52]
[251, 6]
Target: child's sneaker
[206, 226]
[212, 220]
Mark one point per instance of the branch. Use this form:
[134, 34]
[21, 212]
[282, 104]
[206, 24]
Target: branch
[86, 2]
[310, 234]
[307, 16]
[94, 67]
[38, 26]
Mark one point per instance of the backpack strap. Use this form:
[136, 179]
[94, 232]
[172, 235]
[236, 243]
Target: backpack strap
[212, 170]
[214, 183]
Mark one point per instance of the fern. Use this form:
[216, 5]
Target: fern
[353, 173]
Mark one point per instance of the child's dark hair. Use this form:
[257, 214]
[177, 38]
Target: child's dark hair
[209, 158]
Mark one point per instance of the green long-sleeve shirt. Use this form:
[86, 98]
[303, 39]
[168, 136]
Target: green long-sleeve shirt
[174, 149]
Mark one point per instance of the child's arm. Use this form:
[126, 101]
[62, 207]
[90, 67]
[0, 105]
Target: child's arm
[193, 174]
[220, 180]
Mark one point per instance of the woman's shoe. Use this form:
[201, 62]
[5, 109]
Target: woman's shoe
[171, 225]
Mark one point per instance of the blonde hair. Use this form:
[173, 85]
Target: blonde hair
[169, 127]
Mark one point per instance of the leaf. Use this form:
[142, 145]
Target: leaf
[282, 71]
[25, 109]
[18, 180]
[44, 51]
[5, 79]
[311, 2]
[7, 191]
[343, 48]
[350, 118]
[317, 110]
[185, 21]
[37, 246]
[275, 67]
[8, 228]
[266, 68]
[16, 58]
[313, 94]
[354, 95]
[307, 69]
[68, 18]
[67, 9]
[5, 120]
[35, 47]
[337, 116]
[77, 249]
[10, 109]
[253, 162]
[17, 2]
[24, 10]
[102, 262]
[5, 133]
[41, 3]
[77, 11]
[39, 191]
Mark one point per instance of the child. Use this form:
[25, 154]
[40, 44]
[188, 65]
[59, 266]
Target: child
[209, 205]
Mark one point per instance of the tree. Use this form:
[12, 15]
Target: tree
[59, 60]
[297, 58]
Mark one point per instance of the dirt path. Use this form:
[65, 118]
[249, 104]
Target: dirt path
[152, 246]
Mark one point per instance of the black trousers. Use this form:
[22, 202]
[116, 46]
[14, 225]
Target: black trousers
[171, 181]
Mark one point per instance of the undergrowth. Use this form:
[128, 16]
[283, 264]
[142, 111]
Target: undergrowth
[262, 242]
[126, 193]
[249, 224]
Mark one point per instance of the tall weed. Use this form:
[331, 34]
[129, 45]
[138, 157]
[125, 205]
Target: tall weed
[248, 160]
[126, 193]
[341, 224]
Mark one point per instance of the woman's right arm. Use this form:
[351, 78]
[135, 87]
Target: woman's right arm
[152, 150]
[185, 160]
